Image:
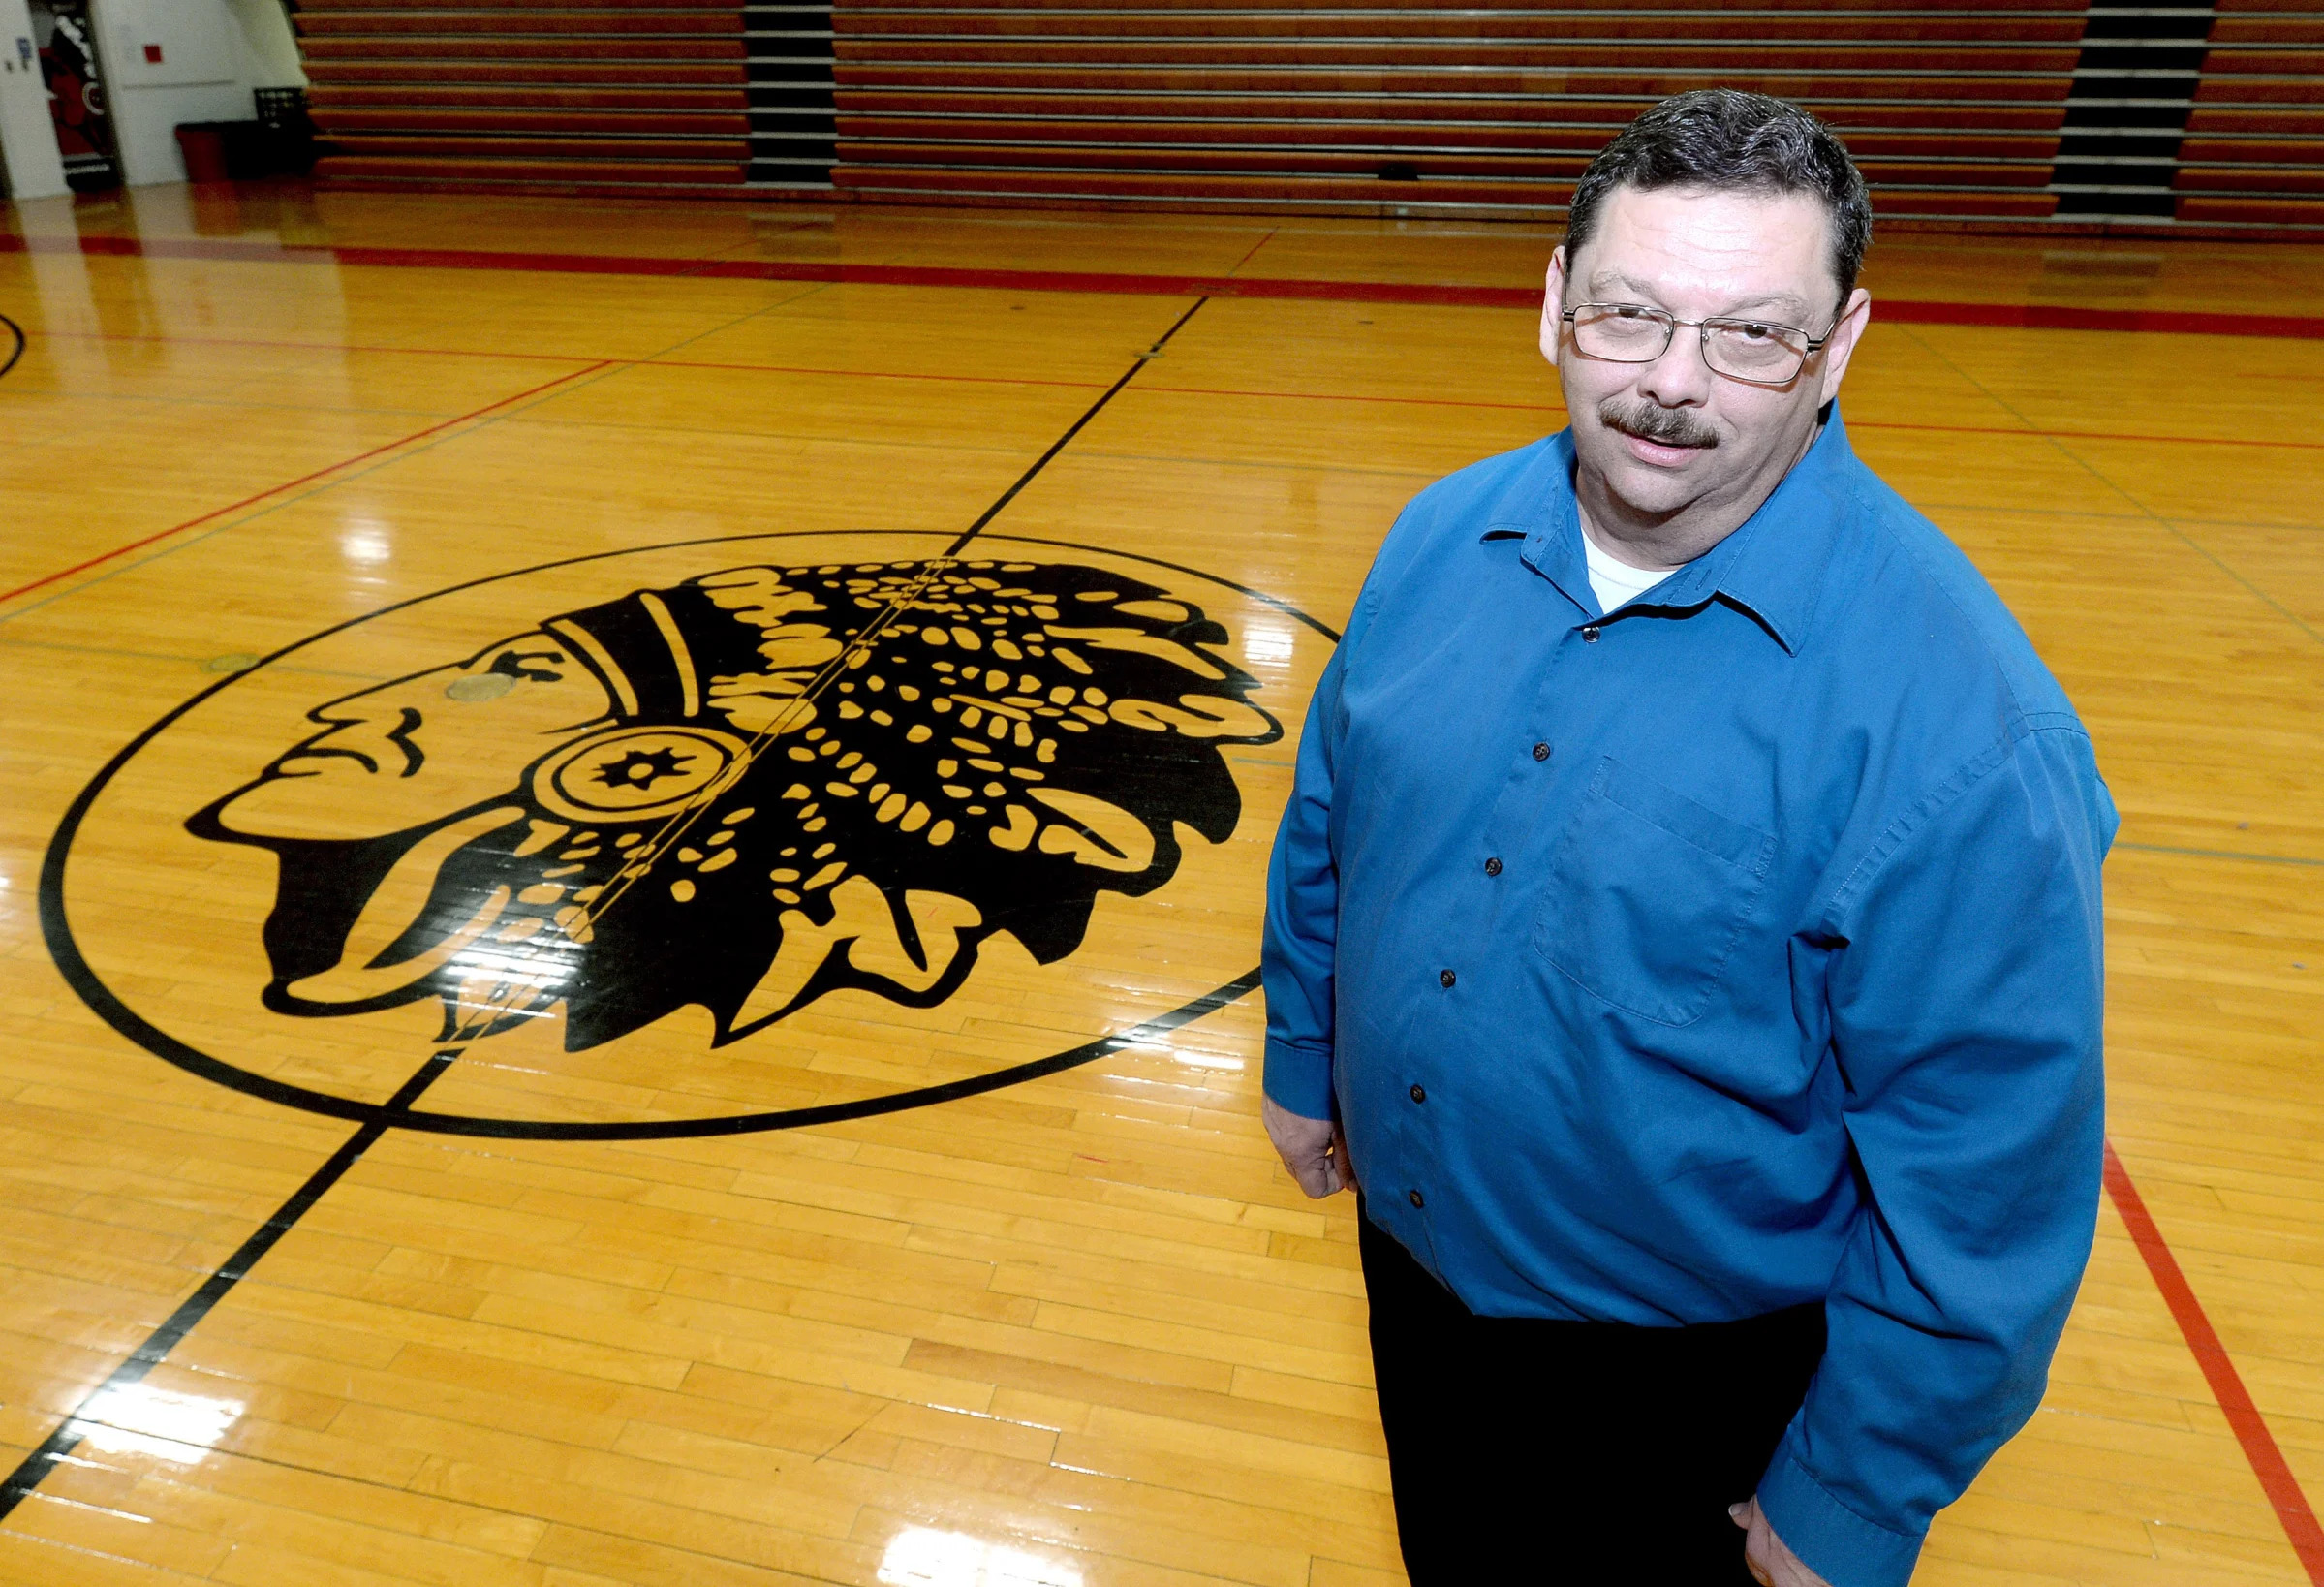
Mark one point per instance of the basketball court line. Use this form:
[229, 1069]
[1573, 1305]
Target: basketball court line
[305, 478]
[206, 663]
[2275, 1473]
[1909, 311]
[2087, 435]
[2218, 853]
[1059, 445]
[2139, 509]
[1237, 267]
[656, 361]
[1930, 508]
[91, 1411]
[312, 346]
[866, 374]
[2141, 437]
[422, 440]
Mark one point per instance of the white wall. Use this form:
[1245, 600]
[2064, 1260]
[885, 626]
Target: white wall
[27, 136]
[213, 52]
[269, 49]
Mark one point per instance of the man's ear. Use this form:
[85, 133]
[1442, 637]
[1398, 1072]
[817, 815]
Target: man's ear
[1553, 306]
[1846, 332]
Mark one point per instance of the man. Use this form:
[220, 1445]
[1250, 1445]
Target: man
[1685, 927]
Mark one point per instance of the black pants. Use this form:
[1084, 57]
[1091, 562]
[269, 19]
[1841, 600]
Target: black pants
[1593, 1454]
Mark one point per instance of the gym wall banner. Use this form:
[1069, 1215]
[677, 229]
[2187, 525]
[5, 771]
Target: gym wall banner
[78, 101]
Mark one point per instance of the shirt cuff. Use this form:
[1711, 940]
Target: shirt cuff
[1836, 1543]
[1298, 1079]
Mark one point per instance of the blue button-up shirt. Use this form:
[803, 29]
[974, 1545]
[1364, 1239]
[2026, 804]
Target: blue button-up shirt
[1735, 949]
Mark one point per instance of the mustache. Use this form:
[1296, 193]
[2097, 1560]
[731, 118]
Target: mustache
[1668, 426]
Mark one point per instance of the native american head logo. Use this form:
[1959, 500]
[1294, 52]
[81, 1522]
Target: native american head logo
[744, 791]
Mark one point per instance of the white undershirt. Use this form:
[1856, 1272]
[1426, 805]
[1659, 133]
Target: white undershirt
[1616, 583]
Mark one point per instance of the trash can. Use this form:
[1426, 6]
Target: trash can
[203, 146]
[226, 151]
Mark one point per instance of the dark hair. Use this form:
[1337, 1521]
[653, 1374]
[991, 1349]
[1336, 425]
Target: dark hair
[1728, 139]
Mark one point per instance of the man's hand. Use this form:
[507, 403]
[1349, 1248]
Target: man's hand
[1764, 1554]
[1313, 1149]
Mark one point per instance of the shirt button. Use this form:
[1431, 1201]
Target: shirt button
[1589, 636]
[1492, 867]
[1420, 1095]
[1445, 978]
[1416, 1199]
[1540, 752]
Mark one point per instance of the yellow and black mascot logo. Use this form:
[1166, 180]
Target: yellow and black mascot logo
[743, 791]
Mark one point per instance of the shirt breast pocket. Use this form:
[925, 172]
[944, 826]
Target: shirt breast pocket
[1649, 893]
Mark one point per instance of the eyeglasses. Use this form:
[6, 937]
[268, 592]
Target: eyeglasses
[1746, 349]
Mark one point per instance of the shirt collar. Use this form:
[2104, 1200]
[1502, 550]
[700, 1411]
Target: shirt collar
[1772, 567]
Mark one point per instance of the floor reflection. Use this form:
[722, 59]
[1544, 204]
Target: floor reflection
[921, 1556]
[138, 1418]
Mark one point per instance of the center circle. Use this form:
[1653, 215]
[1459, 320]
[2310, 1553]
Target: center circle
[686, 806]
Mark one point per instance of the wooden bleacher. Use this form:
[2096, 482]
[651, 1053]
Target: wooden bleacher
[2253, 155]
[1425, 109]
[599, 96]
[1955, 110]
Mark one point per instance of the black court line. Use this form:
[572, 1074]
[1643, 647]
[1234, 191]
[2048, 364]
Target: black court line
[59, 1446]
[67, 1438]
[1042, 461]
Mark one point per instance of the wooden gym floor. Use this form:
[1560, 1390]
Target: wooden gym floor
[1076, 1331]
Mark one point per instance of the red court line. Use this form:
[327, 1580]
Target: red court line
[1352, 396]
[2084, 435]
[1909, 311]
[1853, 424]
[569, 357]
[858, 374]
[1181, 391]
[292, 484]
[2275, 1478]
[308, 347]
[1237, 267]
[2061, 317]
